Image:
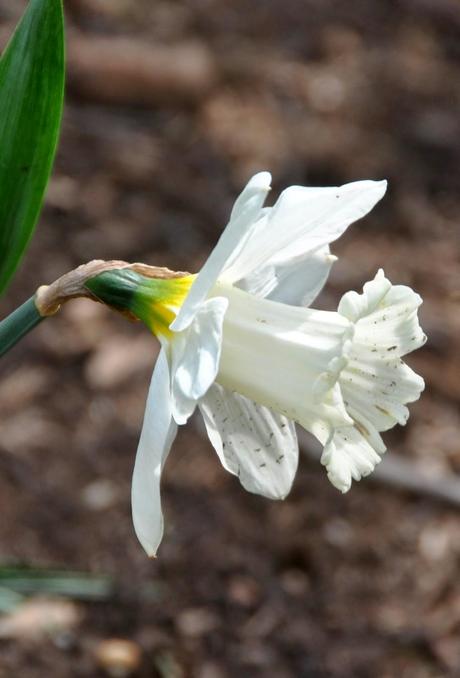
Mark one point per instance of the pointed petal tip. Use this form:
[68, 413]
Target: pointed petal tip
[380, 187]
[375, 189]
[261, 180]
[150, 548]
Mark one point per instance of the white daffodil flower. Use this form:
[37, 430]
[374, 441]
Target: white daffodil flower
[239, 341]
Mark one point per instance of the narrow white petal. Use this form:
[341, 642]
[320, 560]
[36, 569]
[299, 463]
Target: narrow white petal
[244, 215]
[257, 185]
[303, 220]
[254, 443]
[158, 433]
[195, 357]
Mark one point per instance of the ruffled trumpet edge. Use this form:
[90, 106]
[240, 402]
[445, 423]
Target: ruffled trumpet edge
[376, 384]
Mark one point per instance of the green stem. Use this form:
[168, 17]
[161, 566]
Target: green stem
[18, 324]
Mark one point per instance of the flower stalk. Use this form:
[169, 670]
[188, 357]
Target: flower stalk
[19, 323]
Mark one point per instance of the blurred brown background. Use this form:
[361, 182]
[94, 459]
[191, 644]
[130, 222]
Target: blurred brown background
[170, 107]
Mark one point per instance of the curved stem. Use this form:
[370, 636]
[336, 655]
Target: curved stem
[18, 324]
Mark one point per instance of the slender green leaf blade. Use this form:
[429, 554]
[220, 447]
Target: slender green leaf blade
[31, 100]
[31, 581]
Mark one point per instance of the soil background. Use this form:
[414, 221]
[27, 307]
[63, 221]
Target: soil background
[171, 105]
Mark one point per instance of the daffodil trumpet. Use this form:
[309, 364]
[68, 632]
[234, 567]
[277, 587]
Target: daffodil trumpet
[240, 342]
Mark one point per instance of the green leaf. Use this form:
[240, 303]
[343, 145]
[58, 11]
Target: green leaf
[80, 585]
[31, 101]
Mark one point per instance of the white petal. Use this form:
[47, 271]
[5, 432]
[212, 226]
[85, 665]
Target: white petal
[244, 214]
[254, 443]
[257, 187]
[297, 282]
[158, 433]
[302, 220]
[195, 356]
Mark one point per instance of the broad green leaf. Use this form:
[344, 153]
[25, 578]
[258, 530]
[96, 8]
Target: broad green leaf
[31, 99]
